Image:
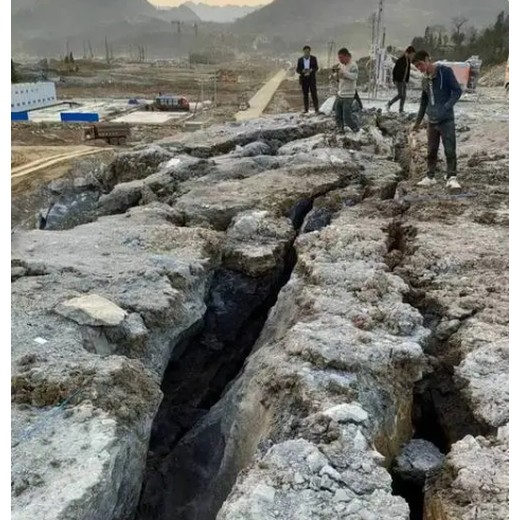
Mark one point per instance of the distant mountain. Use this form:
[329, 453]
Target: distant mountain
[301, 21]
[182, 13]
[62, 18]
[221, 14]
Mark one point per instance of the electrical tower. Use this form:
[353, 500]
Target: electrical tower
[378, 51]
[331, 47]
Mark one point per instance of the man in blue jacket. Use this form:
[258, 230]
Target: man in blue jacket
[441, 91]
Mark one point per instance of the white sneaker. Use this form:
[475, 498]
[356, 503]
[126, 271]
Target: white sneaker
[453, 184]
[427, 181]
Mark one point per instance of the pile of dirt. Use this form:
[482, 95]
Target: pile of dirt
[494, 76]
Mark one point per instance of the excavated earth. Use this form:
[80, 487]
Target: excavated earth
[254, 321]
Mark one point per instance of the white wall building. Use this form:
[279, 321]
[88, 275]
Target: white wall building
[28, 96]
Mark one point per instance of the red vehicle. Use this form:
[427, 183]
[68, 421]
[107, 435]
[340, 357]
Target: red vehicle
[169, 103]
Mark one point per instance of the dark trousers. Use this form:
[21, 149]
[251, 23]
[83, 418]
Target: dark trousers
[401, 95]
[446, 132]
[309, 84]
[345, 115]
[357, 99]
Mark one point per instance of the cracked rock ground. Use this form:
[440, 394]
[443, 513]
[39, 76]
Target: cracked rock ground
[260, 321]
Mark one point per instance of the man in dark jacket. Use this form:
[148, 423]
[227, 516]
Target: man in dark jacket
[441, 91]
[307, 68]
[401, 77]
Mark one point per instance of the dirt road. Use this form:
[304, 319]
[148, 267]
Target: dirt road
[28, 171]
[262, 98]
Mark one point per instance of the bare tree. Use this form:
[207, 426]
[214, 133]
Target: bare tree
[458, 22]
[458, 36]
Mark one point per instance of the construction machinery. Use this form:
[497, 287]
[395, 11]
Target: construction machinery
[112, 133]
[169, 103]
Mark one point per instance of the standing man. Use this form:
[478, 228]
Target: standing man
[401, 77]
[441, 91]
[307, 68]
[346, 73]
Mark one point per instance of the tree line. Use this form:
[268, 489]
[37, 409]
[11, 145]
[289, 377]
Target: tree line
[461, 41]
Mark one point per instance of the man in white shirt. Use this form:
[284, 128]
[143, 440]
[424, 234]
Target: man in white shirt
[346, 73]
[306, 68]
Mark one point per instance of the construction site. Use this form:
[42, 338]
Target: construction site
[224, 308]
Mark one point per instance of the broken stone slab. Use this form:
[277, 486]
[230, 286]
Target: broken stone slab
[418, 459]
[81, 466]
[92, 309]
[221, 139]
[62, 457]
[484, 378]
[257, 242]
[473, 482]
[306, 145]
[278, 191]
[252, 149]
[308, 497]
[69, 210]
[140, 260]
[351, 412]
[134, 165]
[121, 198]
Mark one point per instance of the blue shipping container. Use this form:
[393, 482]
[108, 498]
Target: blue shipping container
[19, 116]
[79, 117]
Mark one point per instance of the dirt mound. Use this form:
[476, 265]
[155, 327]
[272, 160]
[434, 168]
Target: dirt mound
[494, 76]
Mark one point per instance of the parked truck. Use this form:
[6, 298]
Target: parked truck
[169, 103]
[112, 133]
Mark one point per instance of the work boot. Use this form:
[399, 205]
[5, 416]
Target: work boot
[453, 184]
[427, 181]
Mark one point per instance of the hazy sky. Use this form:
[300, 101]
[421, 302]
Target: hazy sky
[212, 2]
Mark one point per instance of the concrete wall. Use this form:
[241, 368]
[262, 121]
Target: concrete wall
[28, 96]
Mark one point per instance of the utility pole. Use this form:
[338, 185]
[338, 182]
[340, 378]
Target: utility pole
[91, 54]
[215, 92]
[107, 51]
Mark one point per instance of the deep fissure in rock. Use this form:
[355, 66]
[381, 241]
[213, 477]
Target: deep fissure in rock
[203, 366]
[440, 413]
[412, 492]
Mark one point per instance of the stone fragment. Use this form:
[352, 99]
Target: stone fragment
[92, 309]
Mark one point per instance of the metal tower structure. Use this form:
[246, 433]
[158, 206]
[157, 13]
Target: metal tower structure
[331, 49]
[377, 50]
